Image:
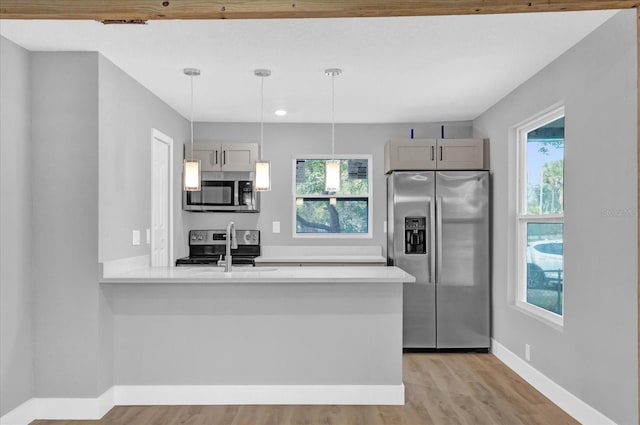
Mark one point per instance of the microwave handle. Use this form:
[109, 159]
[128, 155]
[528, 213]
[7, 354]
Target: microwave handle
[236, 189]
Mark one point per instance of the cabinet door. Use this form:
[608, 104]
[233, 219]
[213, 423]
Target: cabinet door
[239, 156]
[410, 154]
[460, 154]
[208, 153]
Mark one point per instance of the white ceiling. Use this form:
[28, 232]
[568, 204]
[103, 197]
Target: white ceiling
[406, 69]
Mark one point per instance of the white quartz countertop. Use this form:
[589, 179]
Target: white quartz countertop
[240, 274]
[321, 259]
[366, 254]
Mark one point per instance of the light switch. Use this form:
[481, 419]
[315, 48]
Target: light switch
[136, 237]
[148, 236]
[276, 227]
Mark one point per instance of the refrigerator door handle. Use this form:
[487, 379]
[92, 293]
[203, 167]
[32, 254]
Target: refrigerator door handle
[432, 241]
[439, 238]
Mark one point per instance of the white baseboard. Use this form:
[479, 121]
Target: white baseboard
[21, 415]
[568, 402]
[122, 395]
[59, 408]
[259, 394]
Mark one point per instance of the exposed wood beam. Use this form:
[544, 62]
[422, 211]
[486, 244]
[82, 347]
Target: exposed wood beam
[132, 10]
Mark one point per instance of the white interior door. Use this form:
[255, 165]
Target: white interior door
[161, 199]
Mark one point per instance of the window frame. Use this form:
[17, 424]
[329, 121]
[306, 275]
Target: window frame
[368, 197]
[522, 218]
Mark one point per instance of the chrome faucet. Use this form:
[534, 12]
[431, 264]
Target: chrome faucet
[232, 243]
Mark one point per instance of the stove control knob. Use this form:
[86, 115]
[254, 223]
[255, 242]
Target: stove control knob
[200, 237]
[193, 237]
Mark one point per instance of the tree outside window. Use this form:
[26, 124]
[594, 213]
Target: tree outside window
[345, 212]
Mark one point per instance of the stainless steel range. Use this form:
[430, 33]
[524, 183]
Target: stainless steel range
[207, 247]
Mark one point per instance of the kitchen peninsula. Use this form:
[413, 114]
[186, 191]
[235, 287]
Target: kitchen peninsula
[286, 335]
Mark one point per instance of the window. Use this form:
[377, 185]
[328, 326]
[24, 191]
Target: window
[540, 216]
[346, 213]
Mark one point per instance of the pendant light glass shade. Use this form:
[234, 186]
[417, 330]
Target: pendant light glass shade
[192, 174]
[262, 175]
[332, 176]
[191, 167]
[332, 167]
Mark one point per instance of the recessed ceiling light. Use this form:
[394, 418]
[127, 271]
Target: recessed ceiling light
[281, 112]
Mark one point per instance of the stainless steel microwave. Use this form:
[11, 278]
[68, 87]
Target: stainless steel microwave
[223, 191]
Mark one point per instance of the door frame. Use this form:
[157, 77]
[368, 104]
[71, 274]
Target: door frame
[158, 136]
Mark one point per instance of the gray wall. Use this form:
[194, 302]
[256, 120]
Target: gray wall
[64, 130]
[282, 142]
[128, 112]
[16, 291]
[595, 356]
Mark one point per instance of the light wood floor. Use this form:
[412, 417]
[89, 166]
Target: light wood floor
[466, 389]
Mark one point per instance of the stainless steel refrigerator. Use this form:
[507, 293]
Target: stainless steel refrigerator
[438, 231]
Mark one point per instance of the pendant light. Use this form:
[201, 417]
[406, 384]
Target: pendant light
[262, 173]
[191, 166]
[332, 167]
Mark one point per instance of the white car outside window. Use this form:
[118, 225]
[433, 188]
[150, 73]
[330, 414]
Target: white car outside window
[544, 263]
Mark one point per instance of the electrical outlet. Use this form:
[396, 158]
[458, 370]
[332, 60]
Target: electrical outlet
[148, 236]
[276, 227]
[527, 352]
[136, 237]
[384, 228]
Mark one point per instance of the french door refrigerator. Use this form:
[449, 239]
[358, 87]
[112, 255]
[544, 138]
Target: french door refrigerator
[438, 231]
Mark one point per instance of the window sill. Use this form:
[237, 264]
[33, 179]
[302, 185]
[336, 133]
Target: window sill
[548, 318]
[333, 235]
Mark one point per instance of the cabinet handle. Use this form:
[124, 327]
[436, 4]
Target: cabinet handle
[440, 153]
[224, 157]
[433, 153]
[216, 163]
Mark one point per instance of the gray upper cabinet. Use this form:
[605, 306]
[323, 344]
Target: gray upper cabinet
[239, 156]
[208, 154]
[410, 154]
[460, 154]
[435, 154]
[215, 156]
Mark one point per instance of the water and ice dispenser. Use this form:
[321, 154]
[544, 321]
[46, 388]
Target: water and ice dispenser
[415, 235]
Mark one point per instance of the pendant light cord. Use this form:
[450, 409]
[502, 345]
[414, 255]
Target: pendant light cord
[333, 119]
[261, 117]
[191, 78]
